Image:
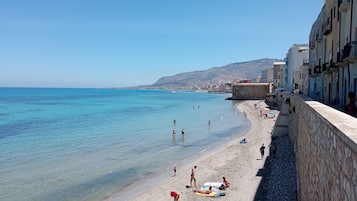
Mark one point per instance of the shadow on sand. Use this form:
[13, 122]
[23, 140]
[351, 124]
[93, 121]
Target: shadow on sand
[279, 171]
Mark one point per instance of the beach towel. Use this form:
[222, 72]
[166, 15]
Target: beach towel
[212, 194]
[216, 186]
[213, 184]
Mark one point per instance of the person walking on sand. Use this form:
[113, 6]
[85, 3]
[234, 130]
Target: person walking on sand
[193, 178]
[262, 148]
[175, 171]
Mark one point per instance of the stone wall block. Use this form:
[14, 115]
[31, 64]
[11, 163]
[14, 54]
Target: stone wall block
[326, 162]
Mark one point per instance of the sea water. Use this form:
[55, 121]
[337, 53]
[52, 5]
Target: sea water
[89, 144]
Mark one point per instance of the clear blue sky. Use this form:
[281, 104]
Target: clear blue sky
[116, 43]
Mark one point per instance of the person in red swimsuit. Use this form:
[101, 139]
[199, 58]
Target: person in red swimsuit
[175, 195]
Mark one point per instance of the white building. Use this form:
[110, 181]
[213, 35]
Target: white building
[297, 54]
[279, 75]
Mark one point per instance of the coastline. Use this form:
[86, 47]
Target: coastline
[239, 163]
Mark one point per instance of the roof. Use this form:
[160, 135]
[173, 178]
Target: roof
[252, 84]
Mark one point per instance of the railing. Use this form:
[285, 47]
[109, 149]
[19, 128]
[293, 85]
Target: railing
[350, 50]
[317, 69]
[353, 49]
[312, 44]
[344, 5]
[305, 62]
[327, 26]
[318, 37]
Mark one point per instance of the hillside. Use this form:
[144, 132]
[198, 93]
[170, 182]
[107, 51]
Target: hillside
[215, 75]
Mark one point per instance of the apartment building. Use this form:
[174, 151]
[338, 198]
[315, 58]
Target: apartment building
[316, 58]
[296, 59]
[279, 75]
[333, 53]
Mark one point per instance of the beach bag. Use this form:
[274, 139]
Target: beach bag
[222, 187]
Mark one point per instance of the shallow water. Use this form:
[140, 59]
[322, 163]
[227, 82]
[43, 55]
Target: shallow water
[87, 144]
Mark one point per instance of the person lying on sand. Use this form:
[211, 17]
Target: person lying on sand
[203, 191]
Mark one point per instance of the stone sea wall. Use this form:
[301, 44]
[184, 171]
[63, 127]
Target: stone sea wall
[325, 146]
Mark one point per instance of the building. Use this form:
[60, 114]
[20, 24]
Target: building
[347, 49]
[297, 54]
[316, 58]
[333, 53]
[279, 75]
[243, 91]
[267, 75]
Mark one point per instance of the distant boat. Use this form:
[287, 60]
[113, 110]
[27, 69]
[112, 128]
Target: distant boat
[173, 92]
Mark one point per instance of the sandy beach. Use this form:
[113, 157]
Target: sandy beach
[239, 163]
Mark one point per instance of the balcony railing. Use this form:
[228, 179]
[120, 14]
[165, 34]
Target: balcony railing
[350, 52]
[332, 65]
[318, 37]
[305, 62]
[344, 5]
[312, 45]
[327, 26]
[317, 69]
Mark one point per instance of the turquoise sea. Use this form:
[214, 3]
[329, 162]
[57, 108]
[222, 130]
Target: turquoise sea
[89, 144]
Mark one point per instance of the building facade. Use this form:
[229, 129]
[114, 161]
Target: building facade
[295, 58]
[333, 53]
[316, 58]
[267, 75]
[279, 75]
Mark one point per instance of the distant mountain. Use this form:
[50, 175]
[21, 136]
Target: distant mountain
[216, 75]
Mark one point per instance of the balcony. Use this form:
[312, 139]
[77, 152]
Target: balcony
[344, 5]
[317, 69]
[312, 45]
[318, 37]
[318, 40]
[305, 62]
[350, 52]
[332, 66]
[327, 26]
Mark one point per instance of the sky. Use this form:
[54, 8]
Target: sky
[124, 43]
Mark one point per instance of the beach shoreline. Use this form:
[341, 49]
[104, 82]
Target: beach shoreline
[239, 163]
